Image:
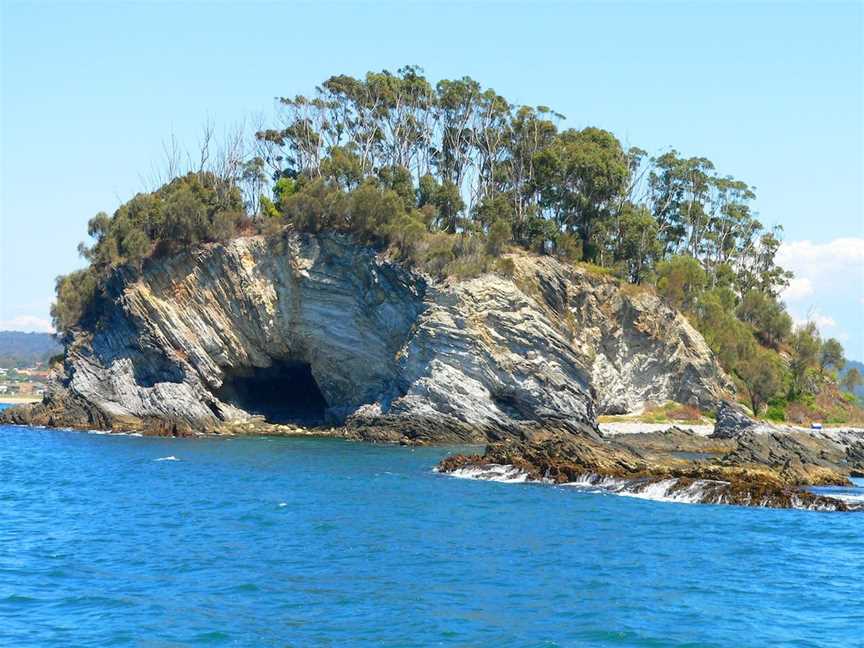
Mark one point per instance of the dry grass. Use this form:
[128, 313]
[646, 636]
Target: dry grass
[670, 412]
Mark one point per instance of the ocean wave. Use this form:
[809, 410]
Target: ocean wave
[850, 497]
[664, 490]
[168, 458]
[698, 491]
[504, 473]
[111, 433]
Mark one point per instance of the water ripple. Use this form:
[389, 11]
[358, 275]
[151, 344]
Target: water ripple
[254, 542]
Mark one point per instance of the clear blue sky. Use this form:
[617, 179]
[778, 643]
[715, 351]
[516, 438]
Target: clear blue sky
[771, 93]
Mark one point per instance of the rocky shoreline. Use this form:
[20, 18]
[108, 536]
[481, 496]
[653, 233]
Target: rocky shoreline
[743, 463]
[740, 462]
[236, 338]
[183, 347]
[748, 465]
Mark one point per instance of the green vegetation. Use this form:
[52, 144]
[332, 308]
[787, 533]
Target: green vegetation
[448, 177]
[195, 208]
[852, 380]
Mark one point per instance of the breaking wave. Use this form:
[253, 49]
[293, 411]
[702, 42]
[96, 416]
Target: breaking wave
[664, 490]
[504, 473]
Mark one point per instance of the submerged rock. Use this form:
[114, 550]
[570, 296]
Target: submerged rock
[203, 341]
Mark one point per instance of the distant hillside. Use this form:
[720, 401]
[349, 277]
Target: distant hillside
[26, 349]
[859, 391]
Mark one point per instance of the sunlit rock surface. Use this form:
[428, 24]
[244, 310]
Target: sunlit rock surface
[392, 353]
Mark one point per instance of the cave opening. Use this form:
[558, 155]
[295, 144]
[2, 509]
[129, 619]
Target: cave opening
[284, 392]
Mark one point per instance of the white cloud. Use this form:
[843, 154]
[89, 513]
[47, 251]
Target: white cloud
[848, 250]
[798, 288]
[27, 323]
[829, 278]
[834, 266]
[823, 323]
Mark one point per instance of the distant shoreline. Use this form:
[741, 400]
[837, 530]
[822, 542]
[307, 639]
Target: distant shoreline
[18, 400]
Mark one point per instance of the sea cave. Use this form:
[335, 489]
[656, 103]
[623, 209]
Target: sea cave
[284, 392]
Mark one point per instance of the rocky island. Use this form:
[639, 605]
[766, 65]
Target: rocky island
[316, 329]
[314, 333]
[406, 263]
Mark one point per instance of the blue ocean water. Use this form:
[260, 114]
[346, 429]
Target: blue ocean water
[119, 540]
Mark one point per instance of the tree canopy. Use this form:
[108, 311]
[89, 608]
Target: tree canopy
[449, 176]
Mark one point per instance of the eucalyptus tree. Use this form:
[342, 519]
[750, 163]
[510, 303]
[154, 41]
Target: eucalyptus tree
[805, 344]
[457, 101]
[852, 380]
[761, 372]
[831, 356]
[757, 263]
[530, 132]
[581, 174]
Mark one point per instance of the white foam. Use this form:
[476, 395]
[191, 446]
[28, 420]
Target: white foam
[589, 480]
[663, 490]
[658, 491]
[168, 458]
[114, 433]
[283, 504]
[846, 497]
[504, 473]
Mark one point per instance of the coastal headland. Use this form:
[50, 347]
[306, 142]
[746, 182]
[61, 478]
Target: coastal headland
[216, 342]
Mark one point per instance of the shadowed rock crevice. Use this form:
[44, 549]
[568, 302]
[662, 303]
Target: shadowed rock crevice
[284, 392]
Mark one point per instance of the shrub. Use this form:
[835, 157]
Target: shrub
[685, 413]
[505, 267]
[435, 251]
[76, 293]
[594, 269]
[680, 279]
[405, 234]
[568, 247]
[467, 267]
[499, 235]
[776, 411]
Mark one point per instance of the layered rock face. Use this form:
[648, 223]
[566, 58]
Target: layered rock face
[203, 341]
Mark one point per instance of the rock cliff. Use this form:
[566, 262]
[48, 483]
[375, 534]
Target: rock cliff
[319, 330]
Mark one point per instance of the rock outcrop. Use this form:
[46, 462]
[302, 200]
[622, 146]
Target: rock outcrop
[742, 462]
[748, 475]
[388, 352]
[731, 422]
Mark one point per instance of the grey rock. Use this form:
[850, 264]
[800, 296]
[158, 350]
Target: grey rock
[731, 422]
[395, 354]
